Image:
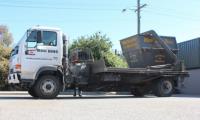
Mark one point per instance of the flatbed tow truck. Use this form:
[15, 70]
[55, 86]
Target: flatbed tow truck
[41, 64]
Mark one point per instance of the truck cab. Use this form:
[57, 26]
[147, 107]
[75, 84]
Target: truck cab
[39, 52]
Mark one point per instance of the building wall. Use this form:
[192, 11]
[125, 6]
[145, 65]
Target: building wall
[189, 52]
[192, 84]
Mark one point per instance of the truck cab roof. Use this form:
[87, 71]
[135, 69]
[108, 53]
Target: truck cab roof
[38, 27]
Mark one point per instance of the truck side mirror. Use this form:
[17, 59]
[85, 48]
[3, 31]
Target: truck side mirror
[39, 37]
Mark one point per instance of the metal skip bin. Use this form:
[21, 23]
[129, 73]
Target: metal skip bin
[141, 51]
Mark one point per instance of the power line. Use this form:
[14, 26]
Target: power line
[168, 14]
[182, 17]
[169, 10]
[49, 7]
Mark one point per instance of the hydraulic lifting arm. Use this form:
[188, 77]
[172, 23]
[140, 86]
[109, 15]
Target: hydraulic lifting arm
[153, 34]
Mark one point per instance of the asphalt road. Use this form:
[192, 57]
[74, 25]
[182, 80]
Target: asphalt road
[20, 106]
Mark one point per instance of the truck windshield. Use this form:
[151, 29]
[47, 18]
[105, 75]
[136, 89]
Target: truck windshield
[15, 51]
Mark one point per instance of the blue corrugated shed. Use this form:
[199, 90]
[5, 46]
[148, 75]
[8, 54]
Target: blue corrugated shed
[189, 52]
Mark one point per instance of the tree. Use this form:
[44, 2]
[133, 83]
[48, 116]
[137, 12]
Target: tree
[5, 41]
[101, 46]
[5, 36]
[4, 56]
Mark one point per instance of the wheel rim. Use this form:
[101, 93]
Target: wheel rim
[167, 87]
[48, 86]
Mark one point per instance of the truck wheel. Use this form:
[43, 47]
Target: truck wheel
[138, 92]
[32, 93]
[164, 88]
[47, 87]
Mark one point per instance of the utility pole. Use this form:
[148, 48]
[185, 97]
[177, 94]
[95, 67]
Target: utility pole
[138, 17]
[139, 7]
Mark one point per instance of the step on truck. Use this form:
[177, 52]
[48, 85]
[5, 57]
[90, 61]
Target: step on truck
[41, 64]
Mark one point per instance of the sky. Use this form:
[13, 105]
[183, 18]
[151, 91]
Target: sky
[179, 18]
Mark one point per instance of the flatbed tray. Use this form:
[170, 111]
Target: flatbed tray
[99, 67]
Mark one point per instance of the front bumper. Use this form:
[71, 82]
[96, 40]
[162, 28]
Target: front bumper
[13, 78]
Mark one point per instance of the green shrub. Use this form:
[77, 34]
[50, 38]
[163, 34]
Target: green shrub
[100, 46]
[4, 61]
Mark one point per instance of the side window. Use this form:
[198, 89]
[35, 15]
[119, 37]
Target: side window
[41, 38]
[49, 38]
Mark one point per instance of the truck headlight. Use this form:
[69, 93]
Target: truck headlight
[18, 67]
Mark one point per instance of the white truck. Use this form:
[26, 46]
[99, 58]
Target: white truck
[40, 63]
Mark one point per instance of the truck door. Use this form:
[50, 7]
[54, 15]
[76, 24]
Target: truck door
[41, 50]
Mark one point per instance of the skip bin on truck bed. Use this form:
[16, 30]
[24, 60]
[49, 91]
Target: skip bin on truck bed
[142, 51]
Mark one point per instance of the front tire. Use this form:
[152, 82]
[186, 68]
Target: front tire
[47, 87]
[32, 92]
[164, 88]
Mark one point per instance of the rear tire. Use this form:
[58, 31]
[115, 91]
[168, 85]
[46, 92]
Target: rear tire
[47, 87]
[164, 88]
